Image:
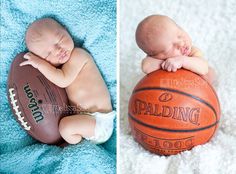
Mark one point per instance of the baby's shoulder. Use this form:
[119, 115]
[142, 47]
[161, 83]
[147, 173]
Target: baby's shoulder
[80, 53]
[78, 56]
[196, 52]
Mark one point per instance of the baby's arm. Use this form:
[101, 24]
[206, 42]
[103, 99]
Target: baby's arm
[150, 64]
[65, 76]
[194, 62]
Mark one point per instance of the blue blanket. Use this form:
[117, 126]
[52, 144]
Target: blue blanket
[92, 25]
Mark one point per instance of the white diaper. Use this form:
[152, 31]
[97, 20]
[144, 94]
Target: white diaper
[103, 128]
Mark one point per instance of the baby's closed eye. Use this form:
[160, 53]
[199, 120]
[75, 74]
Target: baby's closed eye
[60, 40]
[48, 54]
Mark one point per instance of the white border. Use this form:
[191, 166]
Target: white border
[118, 86]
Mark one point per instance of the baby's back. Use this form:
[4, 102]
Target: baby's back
[89, 91]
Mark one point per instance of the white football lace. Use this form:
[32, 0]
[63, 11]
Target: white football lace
[17, 112]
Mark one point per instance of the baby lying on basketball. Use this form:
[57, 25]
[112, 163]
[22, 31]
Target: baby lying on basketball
[169, 47]
[50, 46]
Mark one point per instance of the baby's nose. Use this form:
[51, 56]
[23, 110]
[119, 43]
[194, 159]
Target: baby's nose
[57, 49]
[180, 43]
[177, 50]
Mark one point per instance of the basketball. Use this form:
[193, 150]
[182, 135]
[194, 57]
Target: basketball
[173, 112]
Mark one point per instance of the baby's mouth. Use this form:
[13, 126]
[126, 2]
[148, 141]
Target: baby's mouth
[185, 51]
[63, 54]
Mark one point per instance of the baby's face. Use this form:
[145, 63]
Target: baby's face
[51, 42]
[161, 38]
[171, 43]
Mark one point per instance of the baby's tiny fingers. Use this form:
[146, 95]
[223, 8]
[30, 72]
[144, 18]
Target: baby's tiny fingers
[174, 69]
[163, 65]
[24, 63]
[179, 66]
[26, 56]
[167, 65]
[169, 68]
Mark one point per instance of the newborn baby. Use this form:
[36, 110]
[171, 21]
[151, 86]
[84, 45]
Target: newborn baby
[169, 47]
[50, 46]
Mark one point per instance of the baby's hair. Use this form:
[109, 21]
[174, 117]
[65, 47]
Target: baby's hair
[146, 28]
[33, 34]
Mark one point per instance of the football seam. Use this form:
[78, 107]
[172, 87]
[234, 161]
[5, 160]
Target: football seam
[15, 107]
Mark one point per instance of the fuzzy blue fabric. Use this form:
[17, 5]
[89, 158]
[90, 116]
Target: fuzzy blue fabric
[92, 25]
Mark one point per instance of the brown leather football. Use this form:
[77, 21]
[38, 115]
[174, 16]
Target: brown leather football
[37, 104]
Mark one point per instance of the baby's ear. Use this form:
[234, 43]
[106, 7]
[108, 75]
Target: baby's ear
[179, 35]
[196, 52]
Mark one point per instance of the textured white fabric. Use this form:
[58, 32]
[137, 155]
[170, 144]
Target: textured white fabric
[212, 27]
[103, 128]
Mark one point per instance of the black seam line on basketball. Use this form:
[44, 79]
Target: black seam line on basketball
[213, 90]
[161, 138]
[180, 92]
[172, 130]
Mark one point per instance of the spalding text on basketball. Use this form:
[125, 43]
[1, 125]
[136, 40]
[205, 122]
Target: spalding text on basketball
[185, 114]
[33, 104]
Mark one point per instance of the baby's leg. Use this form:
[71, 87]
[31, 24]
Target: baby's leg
[74, 128]
[211, 77]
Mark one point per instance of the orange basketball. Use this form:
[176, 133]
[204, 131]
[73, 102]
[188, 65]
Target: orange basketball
[173, 112]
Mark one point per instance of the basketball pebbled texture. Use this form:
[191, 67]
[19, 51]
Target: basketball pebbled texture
[37, 104]
[172, 112]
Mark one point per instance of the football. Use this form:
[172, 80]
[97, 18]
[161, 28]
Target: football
[37, 104]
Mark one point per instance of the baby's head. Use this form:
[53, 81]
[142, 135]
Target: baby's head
[50, 41]
[160, 37]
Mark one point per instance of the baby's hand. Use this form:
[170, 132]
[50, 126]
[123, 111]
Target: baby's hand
[173, 63]
[31, 60]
